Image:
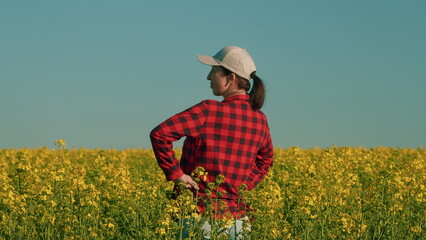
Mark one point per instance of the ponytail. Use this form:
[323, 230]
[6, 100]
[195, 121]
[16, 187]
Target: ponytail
[257, 93]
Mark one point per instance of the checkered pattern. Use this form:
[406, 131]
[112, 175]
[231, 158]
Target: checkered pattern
[227, 138]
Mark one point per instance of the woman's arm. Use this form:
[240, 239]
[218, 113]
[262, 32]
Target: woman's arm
[264, 160]
[186, 123]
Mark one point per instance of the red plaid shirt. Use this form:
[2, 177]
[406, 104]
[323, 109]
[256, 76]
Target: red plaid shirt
[227, 138]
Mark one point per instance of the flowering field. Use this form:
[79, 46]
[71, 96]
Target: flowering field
[330, 193]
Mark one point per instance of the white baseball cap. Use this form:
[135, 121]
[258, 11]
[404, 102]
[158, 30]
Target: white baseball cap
[235, 59]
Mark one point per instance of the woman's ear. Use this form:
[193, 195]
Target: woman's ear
[231, 77]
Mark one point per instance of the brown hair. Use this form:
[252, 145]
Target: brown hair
[257, 93]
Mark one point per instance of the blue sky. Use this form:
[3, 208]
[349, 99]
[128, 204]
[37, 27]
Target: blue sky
[102, 74]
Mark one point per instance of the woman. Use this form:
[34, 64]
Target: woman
[229, 138]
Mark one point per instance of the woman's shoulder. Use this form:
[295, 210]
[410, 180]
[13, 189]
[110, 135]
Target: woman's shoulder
[204, 105]
[209, 102]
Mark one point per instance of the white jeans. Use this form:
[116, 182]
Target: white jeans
[235, 231]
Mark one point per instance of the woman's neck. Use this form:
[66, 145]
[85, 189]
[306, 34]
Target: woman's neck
[237, 92]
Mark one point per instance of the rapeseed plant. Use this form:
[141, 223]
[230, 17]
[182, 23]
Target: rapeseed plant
[331, 193]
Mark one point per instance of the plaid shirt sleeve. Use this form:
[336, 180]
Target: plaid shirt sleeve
[264, 160]
[186, 123]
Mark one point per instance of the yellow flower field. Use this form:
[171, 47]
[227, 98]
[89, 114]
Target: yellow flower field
[328, 193]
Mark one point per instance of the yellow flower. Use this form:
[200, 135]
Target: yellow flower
[161, 231]
[52, 220]
[416, 229]
[60, 143]
[348, 224]
[219, 179]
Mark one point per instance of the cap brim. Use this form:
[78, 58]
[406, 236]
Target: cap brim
[208, 60]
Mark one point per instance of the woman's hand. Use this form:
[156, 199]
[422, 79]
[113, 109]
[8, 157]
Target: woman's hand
[188, 181]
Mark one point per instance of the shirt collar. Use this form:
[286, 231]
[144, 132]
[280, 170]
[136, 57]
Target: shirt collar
[243, 97]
